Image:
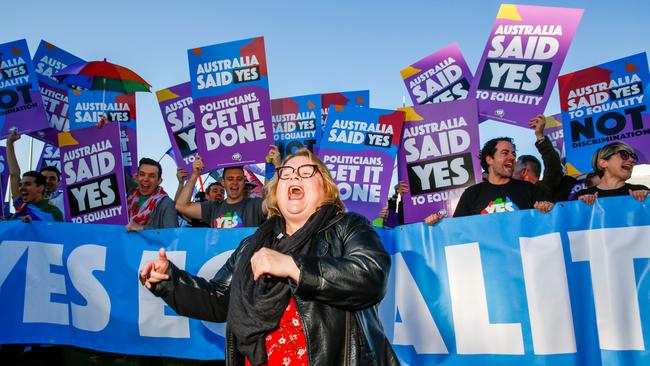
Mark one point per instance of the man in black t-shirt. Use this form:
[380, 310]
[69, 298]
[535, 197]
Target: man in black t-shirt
[500, 193]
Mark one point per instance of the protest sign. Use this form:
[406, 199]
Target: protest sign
[48, 60]
[555, 133]
[442, 76]
[359, 148]
[50, 156]
[176, 107]
[88, 106]
[232, 105]
[296, 122]
[93, 175]
[521, 61]
[602, 104]
[437, 157]
[339, 101]
[21, 104]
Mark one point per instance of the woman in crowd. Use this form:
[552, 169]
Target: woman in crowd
[302, 290]
[613, 163]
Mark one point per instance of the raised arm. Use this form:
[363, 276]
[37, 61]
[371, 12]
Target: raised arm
[14, 169]
[184, 204]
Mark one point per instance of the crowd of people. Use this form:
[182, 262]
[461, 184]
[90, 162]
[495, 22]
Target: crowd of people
[312, 272]
[509, 183]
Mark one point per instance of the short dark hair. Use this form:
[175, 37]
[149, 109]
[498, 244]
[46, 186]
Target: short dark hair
[39, 178]
[213, 184]
[238, 167]
[490, 148]
[51, 168]
[532, 163]
[147, 161]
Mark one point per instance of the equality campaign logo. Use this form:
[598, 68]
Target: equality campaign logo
[228, 220]
[500, 205]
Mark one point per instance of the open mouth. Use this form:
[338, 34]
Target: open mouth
[296, 193]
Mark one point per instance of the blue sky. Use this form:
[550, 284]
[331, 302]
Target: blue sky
[311, 46]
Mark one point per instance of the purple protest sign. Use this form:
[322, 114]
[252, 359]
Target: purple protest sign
[522, 60]
[296, 122]
[93, 175]
[437, 156]
[48, 60]
[176, 107]
[442, 76]
[21, 104]
[50, 156]
[232, 105]
[88, 106]
[359, 148]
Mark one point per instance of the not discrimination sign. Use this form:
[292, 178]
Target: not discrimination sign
[21, 104]
[602, 104]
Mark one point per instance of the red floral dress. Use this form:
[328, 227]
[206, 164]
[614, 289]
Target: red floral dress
[286, 345]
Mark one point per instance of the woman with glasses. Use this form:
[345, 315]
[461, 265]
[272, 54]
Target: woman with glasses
[613, 163]
[302, 290]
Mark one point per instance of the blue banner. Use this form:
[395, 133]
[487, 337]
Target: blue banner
[565, 288]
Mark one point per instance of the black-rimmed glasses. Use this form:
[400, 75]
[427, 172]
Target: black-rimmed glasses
[624, 154]
[304, 171]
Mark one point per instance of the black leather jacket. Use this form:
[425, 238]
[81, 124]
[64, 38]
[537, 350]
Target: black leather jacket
[341, 282]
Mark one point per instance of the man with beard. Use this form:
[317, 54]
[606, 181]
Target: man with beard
[500, 192]
[235, 211]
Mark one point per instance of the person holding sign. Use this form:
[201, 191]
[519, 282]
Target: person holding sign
[311, 274]
[613, 163]
[28, 193]
[529, 169]
[236, 210]
[500, 192]
[148, 204]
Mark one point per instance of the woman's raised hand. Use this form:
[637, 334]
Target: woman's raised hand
[154, 271]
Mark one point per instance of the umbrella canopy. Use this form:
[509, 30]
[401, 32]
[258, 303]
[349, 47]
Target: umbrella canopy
[102, 75]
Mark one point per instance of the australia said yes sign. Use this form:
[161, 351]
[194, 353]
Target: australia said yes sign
[521, 61]
[232, 105]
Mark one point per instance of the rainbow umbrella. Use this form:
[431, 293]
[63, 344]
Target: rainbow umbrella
[102, 75]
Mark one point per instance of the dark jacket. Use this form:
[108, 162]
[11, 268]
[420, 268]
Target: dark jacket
[552, 181]
[341, 282]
